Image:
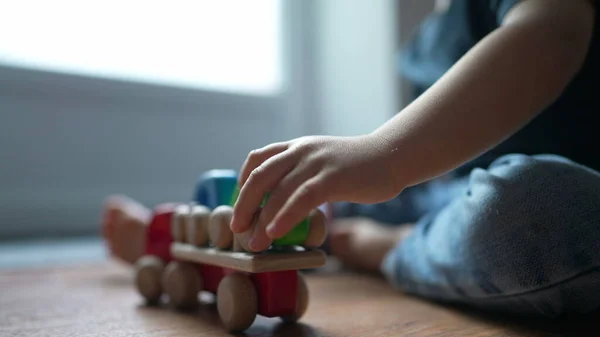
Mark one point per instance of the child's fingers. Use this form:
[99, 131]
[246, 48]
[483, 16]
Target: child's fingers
[278, 197]
[259, 182]
[305, 198]
[257, 157]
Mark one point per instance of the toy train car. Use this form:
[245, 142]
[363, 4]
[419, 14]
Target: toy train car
[190, 248]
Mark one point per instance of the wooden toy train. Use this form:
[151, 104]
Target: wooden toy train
[190, 248]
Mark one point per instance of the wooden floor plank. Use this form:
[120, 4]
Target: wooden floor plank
[99, 300]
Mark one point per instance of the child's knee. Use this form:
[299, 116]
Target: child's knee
[533, 222]
[524, 224]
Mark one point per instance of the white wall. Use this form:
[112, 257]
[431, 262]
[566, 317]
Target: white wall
[410, 14]
[357, 71]
[359, 86]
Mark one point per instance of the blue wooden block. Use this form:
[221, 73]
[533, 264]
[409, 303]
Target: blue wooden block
[215, 188]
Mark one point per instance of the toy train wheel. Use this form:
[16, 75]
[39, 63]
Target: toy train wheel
[237, 302]
[301, 301]
[182, 283]
[148, 275]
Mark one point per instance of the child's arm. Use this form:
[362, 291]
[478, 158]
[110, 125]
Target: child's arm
[495, 89]
[500, 85]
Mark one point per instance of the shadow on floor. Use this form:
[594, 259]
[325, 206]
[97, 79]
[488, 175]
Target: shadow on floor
[205, 318]
[575, 326]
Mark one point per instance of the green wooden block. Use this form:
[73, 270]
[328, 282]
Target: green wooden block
[235, 195]
[264, 202]
[296, 236]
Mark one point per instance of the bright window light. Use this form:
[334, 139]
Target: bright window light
[225, 45]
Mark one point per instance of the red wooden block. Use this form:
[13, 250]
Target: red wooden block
[212, 276]
[277, 292]
[158, 233]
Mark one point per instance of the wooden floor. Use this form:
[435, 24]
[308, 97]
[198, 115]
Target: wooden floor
[98, 300]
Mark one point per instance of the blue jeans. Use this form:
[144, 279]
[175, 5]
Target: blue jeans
[520, 237]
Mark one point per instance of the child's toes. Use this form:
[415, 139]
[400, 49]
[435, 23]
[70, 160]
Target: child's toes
[111, 218]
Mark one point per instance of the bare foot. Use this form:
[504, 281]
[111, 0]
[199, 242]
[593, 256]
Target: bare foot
[361, 243]
[123, 227]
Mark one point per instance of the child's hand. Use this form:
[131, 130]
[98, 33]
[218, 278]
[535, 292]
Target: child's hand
[304, 173]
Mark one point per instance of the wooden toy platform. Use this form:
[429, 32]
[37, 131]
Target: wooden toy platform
[249, 262]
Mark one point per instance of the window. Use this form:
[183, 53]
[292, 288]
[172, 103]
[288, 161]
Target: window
[112, 77]
[223, 45]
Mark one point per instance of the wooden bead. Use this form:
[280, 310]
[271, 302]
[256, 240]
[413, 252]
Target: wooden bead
[244, 238]
[179, 221]
[237, 302]
[219, 231]
[197, 226]
[237, 247]
[148, 277]
[182, 282]
[317, 229]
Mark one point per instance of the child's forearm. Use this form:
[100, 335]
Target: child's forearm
[499, 86]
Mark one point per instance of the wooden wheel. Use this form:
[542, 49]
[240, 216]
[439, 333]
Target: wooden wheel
[237, 302]
[317, 230]
[219, 232]
[301, 301]
[148, 275]
[182, 282]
